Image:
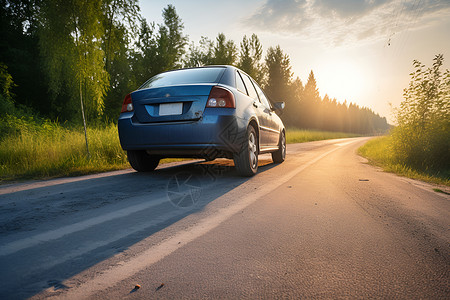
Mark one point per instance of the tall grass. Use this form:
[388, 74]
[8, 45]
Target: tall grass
[294, 135]
[382, 152]
[49, 150]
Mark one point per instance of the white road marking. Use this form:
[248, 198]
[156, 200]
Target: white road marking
[60, 232]
[79, 251]
[117, 273]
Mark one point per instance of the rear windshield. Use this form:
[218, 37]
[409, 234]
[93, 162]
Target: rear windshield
[185, 76]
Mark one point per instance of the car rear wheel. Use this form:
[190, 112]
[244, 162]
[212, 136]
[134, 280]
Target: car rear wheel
[141, 161]
[280, 155]
[246, 161]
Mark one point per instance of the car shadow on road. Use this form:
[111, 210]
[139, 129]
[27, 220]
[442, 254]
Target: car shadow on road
[181, 190]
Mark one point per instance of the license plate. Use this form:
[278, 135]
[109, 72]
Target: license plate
[168, 109]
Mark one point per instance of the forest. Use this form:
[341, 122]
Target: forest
[62, 59]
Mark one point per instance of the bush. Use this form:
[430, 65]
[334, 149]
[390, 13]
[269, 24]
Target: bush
[422, 138]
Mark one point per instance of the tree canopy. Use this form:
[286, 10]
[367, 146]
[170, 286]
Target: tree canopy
[56, 54]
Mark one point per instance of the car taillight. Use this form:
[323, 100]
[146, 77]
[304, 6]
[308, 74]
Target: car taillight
[221, 97]
[127, 104]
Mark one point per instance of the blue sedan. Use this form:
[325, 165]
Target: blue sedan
[207, 112]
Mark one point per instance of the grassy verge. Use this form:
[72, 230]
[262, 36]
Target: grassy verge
[301, 136]
[379, 152]
[50, 150]
[46, 150]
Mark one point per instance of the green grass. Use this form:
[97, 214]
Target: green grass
[441, 191]
[53, 151]
[50, 150]
[33, 149]
[301, 136]
[379, 152]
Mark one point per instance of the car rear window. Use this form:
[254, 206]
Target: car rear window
[184, 76]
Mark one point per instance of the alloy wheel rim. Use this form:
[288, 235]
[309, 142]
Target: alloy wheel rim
[253, 150]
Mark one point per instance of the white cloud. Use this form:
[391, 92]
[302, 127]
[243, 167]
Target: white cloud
[347, 8]
[344, 21]
[280, 15]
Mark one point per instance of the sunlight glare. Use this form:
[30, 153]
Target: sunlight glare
[342, 79]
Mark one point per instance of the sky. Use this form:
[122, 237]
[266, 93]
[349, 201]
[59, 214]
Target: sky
[360, 51]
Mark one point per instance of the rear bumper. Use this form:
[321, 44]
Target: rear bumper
[211, 136]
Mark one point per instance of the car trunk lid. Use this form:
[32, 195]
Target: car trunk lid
[170, 104]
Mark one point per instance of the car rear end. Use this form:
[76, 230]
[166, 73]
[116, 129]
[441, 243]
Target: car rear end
[183, 113]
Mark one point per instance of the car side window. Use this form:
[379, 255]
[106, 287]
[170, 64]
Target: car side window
[250, 88]
[240, 84]
[263, 97]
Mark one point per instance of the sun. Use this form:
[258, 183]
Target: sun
[343, 79]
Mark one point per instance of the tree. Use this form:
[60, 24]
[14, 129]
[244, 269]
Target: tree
[250, 58]
[328, 114]
[225, 52]
[145, 54]
[201, 55]
[119, 71]
[218, 52]
[311, 89]
[279, 73]
[20, 53]
[160, 51]
[171, 41]
[70, 41]
[279, 82]
[119, 19]
[311, 101]
[6, 83]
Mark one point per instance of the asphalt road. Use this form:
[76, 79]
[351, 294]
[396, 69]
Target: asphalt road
[324, 224]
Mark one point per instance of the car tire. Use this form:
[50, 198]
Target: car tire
[246, 161]
[141, 161]
[280, 155]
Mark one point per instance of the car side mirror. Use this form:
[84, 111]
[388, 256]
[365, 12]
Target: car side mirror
[279, 106]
